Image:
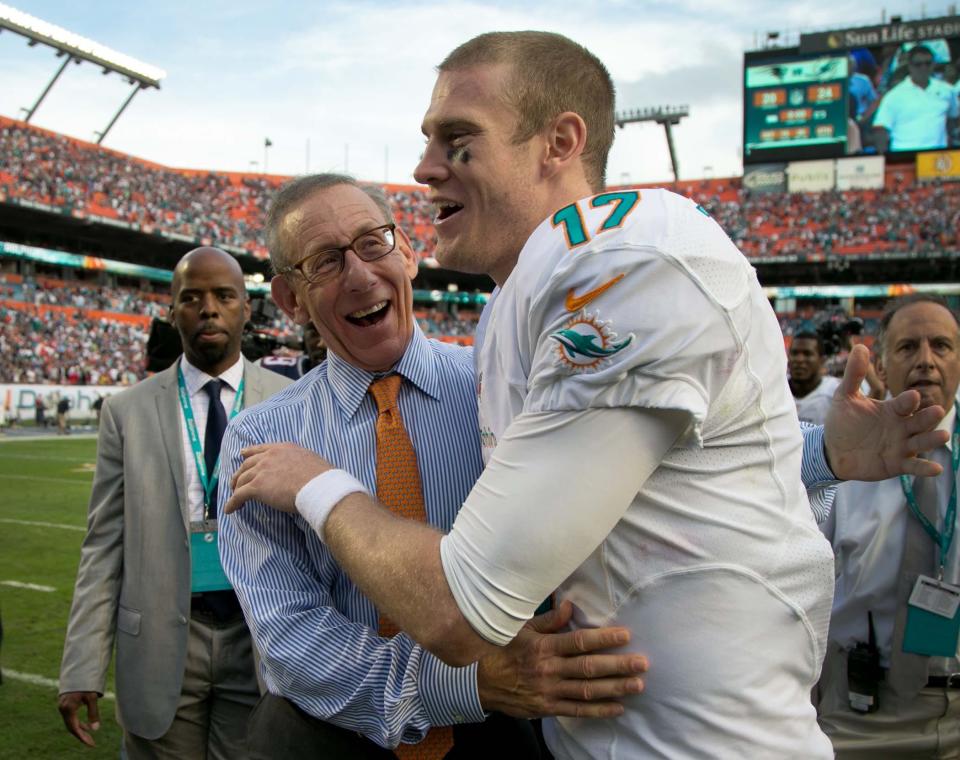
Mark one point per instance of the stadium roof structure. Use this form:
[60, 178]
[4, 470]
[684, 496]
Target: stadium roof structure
[665, 116]
[73, 47]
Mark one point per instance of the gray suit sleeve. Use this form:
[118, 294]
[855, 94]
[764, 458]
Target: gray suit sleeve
[92, 626]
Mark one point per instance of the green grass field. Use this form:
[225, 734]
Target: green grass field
[43, 481]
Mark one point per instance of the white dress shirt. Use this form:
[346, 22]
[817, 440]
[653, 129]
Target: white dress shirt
[917, 116]
[195, 379]
[867, 527]
[814, 406]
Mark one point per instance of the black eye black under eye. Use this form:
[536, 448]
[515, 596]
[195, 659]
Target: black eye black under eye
[458, 154]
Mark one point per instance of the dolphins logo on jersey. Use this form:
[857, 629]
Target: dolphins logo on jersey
[586, 341]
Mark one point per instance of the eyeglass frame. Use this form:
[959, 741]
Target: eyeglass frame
[298, 265]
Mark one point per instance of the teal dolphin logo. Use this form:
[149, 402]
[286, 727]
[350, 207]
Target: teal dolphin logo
[585, 343]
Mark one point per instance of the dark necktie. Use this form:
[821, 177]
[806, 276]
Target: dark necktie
[216, 424]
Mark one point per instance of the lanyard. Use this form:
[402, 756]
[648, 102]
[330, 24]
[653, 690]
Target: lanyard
[942, 540]
[207, 482]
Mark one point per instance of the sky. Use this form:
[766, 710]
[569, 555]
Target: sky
[342, 86]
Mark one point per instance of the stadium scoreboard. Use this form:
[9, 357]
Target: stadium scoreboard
[830, 95]
[795, 103]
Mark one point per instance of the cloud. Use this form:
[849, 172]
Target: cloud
[355, 77]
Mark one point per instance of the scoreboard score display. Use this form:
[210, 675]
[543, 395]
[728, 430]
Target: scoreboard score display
[795, 103]
[891, 90]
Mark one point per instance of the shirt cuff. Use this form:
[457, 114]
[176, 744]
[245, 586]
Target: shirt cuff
[814, 469]
[449, 695]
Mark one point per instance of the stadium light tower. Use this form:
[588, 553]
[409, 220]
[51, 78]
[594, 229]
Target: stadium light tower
[667, 116]
[73, 47]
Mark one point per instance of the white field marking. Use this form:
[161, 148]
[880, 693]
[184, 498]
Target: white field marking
[44, 437]
[35, 524]
[42, 479]
[16, 675]
[45, 457]
[28, 586]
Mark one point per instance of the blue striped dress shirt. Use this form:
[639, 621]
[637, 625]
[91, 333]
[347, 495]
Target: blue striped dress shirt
[317, 634]
[816, 474]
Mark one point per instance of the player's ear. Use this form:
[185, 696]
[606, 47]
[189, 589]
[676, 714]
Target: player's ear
[286, 298]
[565, 139]
[881, 367]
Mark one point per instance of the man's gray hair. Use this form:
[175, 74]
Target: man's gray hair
[295, 192]
[896, 305]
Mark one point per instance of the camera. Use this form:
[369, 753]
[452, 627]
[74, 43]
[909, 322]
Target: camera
[834, 327]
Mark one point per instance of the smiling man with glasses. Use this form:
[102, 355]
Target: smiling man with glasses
[399, 412]
[920, 112]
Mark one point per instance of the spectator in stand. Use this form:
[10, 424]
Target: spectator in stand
[812, 390]
[920, 112]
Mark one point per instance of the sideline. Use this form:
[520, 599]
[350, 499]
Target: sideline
[35, 680]
[13, 437]
[45, 479]
[35, 524]
[28, 586]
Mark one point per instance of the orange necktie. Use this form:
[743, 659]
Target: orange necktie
[398, 487]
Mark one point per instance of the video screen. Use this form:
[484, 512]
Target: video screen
[795, 103]
[880, 99]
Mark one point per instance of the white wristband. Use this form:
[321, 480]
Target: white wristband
[316, 500]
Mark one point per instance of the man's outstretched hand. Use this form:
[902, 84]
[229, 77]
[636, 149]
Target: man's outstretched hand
[868, 439]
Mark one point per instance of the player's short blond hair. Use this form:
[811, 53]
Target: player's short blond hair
[550, 74]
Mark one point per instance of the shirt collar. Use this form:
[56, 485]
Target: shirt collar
[195, 378]
[418, 365]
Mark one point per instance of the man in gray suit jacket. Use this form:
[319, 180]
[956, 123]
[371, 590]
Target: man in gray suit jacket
[149, 572]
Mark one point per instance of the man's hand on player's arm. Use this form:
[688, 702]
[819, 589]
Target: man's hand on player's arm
[542, 672]
[394, 561]
[70, 704]
[866, 439]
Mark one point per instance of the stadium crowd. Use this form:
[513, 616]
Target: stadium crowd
[65, 344]
[921, 219]
[228, 210]
[693, 421]
[57, 347]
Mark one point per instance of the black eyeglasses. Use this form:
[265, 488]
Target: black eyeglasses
[324, 265]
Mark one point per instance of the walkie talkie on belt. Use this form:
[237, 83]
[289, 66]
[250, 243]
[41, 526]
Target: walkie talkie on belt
[864, 674]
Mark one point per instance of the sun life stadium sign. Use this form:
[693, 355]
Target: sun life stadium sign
[944, 27]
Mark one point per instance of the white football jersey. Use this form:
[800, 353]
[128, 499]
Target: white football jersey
[639, 299]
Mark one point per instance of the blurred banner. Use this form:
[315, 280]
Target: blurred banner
[941, 164]
[811, 176]
[864, 173]
[765, 178]
[20, 400]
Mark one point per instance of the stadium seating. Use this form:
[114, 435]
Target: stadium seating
[59, 331]
[228, 209]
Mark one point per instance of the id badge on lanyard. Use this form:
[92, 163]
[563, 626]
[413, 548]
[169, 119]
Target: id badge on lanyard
[933, 609]
[206, 571]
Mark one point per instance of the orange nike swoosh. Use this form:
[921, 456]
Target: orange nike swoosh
[575, 302]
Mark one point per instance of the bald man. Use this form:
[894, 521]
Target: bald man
[149, 574]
